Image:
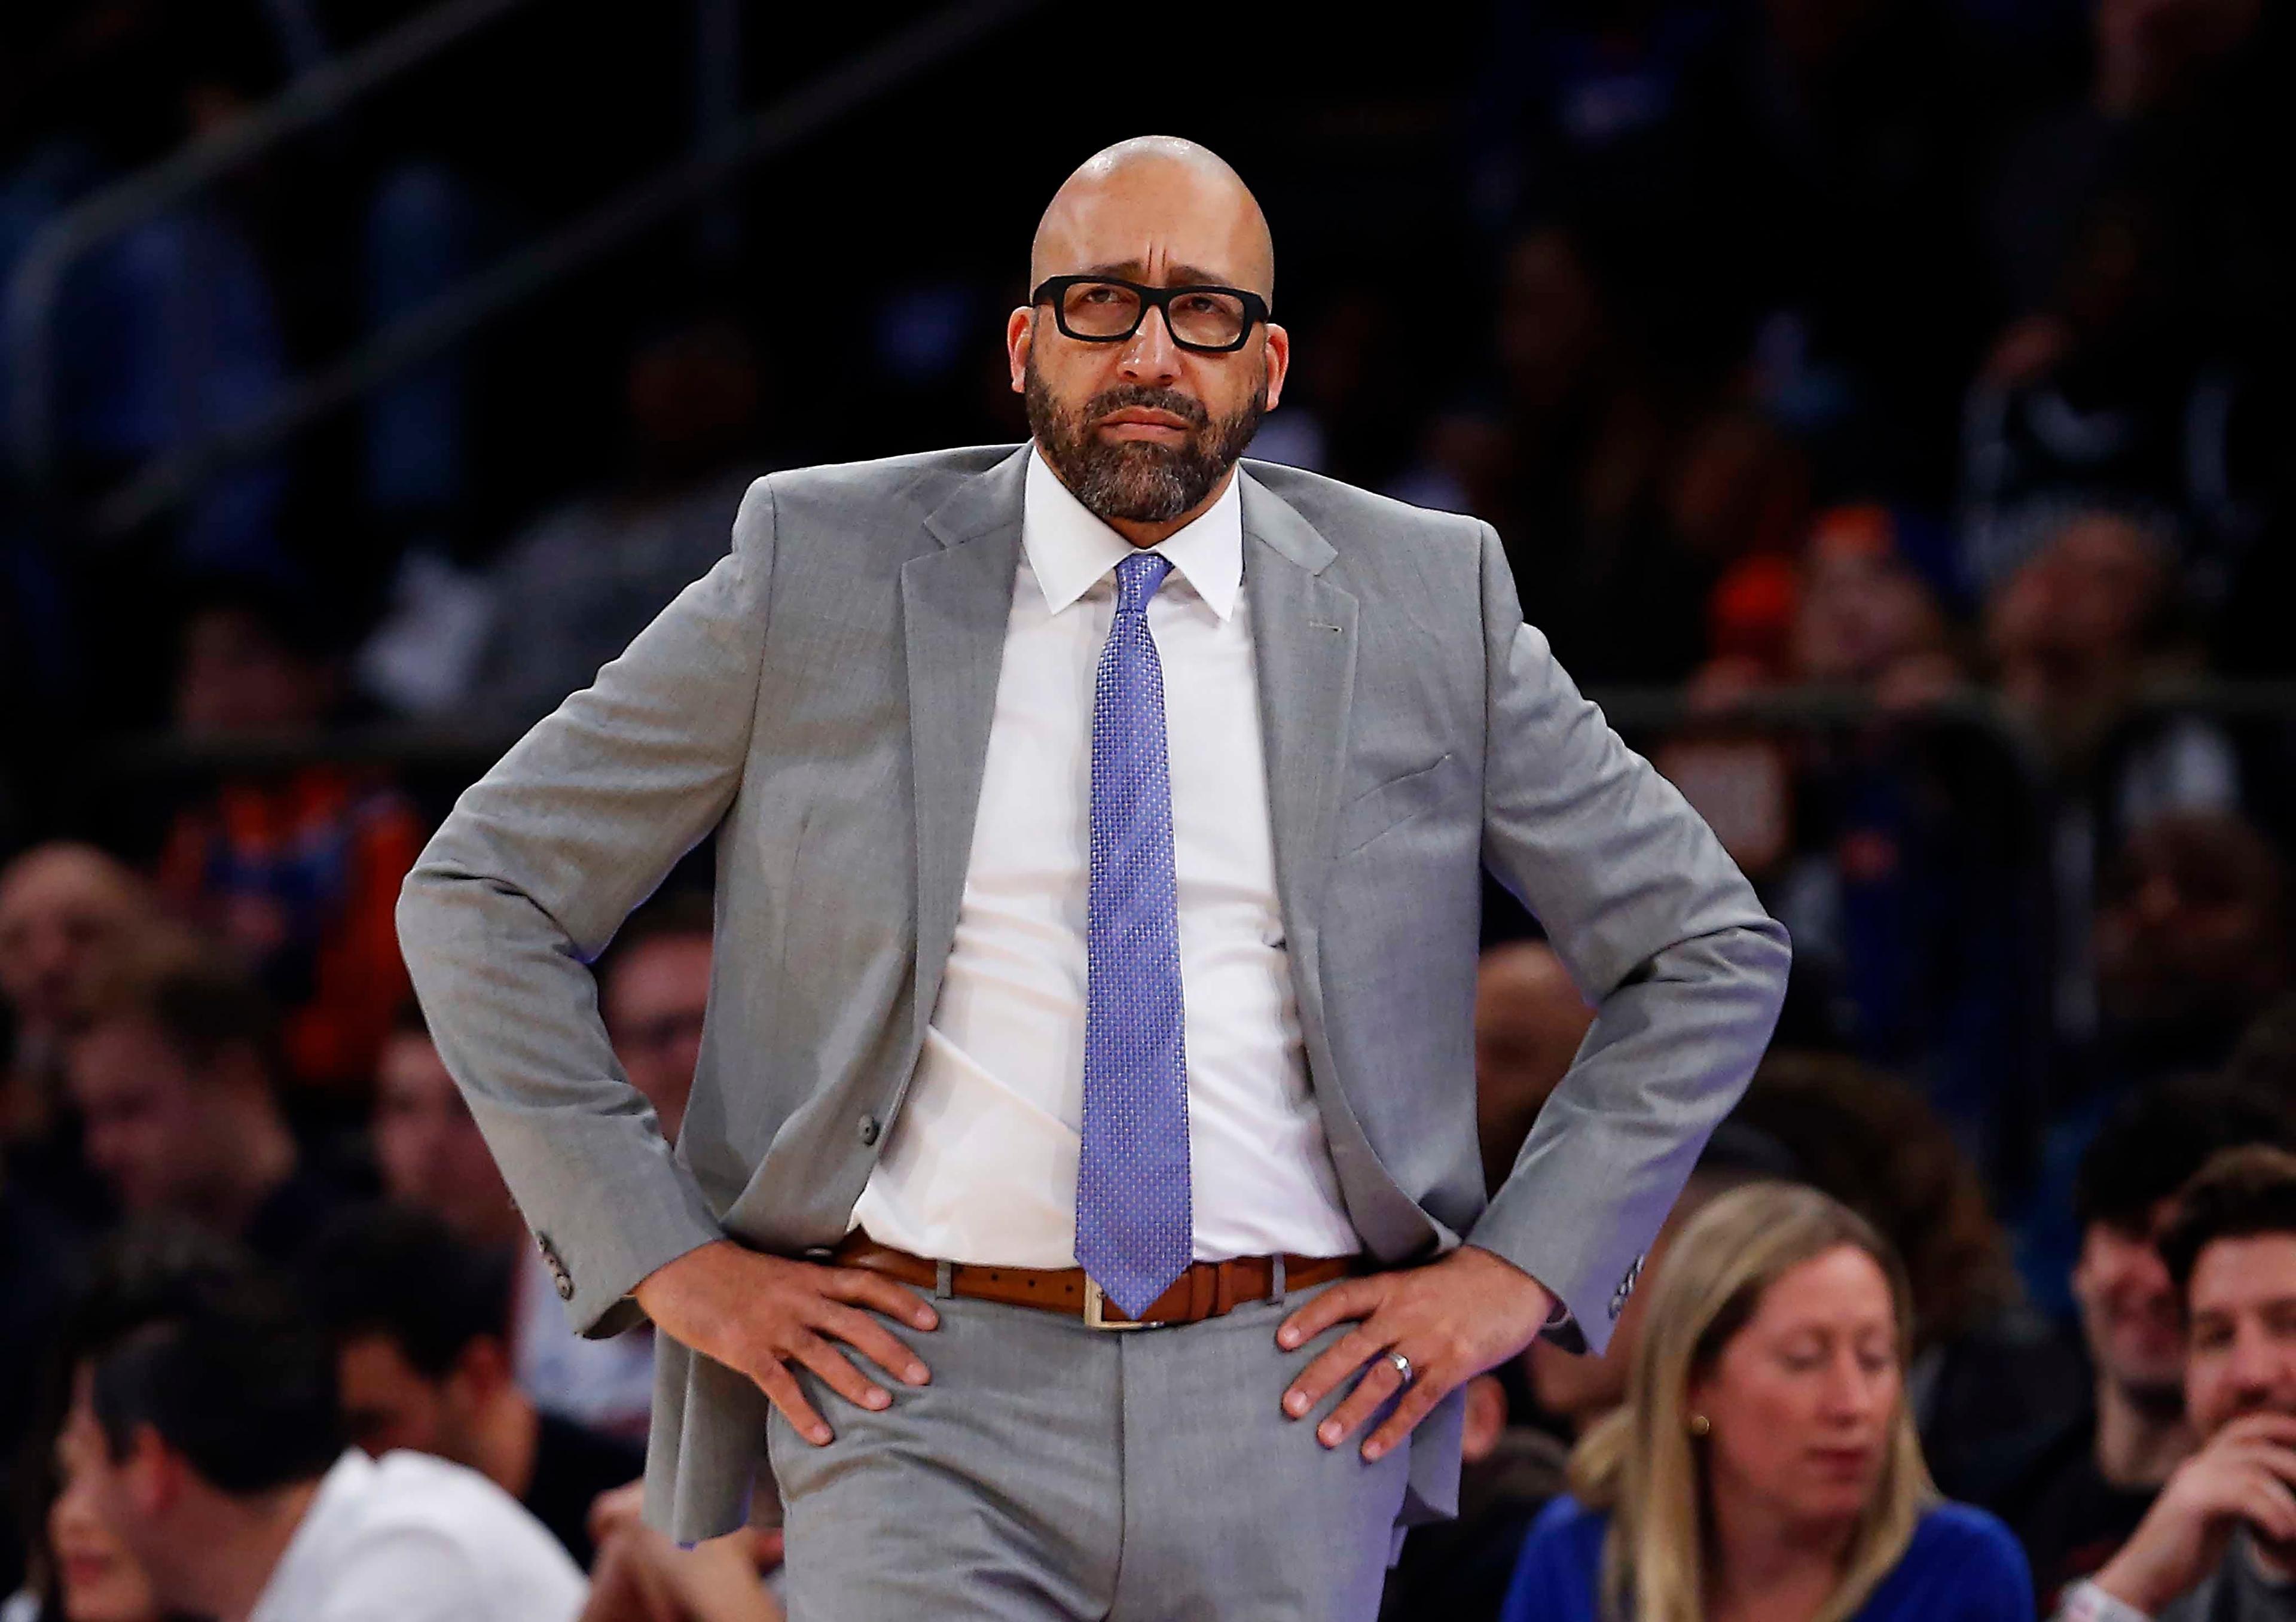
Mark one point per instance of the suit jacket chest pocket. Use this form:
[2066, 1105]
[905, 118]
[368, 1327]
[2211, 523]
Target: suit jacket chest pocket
[1398, 800]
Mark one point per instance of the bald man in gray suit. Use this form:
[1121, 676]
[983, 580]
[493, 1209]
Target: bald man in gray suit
[1100, 825]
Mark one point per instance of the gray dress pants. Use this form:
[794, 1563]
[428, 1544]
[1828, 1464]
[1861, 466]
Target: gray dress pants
[1054, 1473]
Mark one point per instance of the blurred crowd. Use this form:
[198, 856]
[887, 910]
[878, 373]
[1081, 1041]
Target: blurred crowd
[1924, 363]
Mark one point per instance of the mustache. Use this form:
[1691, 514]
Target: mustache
[1126, 397]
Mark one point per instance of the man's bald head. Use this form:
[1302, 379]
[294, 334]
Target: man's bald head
[1154, 204]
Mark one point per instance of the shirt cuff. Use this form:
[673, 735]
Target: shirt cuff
[2084, 1601]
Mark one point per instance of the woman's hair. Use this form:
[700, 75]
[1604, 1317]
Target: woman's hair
[1640, 1463]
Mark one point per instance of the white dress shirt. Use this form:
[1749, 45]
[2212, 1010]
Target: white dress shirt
[411, 1538]
[982, 1164]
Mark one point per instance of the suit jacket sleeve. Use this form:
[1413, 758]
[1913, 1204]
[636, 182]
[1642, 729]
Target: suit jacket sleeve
[526, 883]
[1659, 929]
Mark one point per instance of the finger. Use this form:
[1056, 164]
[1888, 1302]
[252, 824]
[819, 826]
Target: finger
[1348, 1298]
[1418, 1402]
[2256, 1427]
[1333, 1364]
[838, 1375]
[782, 1390]
[871, 1338]
[2276, 1457]
[2266, 1502]
[2266, 1458]
[614, 1509]
[861, 1288]
[1380, 1382]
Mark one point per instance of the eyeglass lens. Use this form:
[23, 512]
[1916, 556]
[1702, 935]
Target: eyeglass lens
[1107, 309]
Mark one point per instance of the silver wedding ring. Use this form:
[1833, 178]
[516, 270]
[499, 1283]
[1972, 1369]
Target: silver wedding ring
[1402, 1365]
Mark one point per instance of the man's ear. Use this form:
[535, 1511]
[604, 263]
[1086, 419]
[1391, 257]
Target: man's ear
[1020, 336]
[1276, 356]
[155, 1474]
[483, 1367]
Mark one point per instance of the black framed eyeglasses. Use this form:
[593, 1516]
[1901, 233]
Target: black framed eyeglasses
[1102, 309]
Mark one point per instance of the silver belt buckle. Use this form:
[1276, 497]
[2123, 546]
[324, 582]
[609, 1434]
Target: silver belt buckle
[1095, 1309]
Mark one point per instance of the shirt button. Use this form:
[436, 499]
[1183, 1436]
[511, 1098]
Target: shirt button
[869, 1129]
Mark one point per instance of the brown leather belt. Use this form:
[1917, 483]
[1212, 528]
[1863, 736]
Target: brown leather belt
[1205, 1290]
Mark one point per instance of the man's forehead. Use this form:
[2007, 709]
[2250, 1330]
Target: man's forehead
[1151, 214]
[2244, 1274]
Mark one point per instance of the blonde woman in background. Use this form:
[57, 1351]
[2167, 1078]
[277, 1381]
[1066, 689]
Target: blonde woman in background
[1765, 1466]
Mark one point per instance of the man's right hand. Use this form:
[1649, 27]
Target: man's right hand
[2246, 1472]
[760, 1314]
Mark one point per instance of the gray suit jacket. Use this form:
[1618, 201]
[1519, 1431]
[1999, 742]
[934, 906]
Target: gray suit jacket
[821, 700]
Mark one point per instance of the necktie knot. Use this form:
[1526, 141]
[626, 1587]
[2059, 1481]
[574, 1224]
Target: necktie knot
[1137, 580]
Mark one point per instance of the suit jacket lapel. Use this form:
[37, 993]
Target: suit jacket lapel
[1304, 630]
[955, 603]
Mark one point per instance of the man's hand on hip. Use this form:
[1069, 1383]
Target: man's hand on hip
[759, 1314]
[1451, 1320]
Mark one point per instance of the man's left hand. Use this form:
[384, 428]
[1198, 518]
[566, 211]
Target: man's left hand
[1451, 1319]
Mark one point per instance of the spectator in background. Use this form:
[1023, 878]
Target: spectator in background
[572, 592]
[2140, 240]
[1841, 156]
[430, 1150]
[68, 914]
[1871, 839]
[419, 1325]
[2088, 1494]
[2073, 632]
[1582, 503]
[1991, 1383]
[86, 1574]
[1765, 1463]
[433, 1159]
[2220, 1542]
[2192, 943]
[1529, 1020]
[80, 1571]
[296, 870]
[1868, 612]
[177, 1076]
[2187, 943]
[652, 989]
[202, 1430]
[163, 332]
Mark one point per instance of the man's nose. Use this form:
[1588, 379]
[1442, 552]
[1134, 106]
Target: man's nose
[2259, 1367]
[1150, 355]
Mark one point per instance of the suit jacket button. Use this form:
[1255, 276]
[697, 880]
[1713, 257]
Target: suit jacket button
[869, 1129]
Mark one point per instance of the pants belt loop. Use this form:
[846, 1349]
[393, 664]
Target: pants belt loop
[1275, 1281]
[941, 1275]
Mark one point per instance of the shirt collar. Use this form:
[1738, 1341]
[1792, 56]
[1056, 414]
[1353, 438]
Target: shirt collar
[1069, 549]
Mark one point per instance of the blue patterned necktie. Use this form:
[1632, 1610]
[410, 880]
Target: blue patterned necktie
[1134, 1228]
